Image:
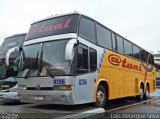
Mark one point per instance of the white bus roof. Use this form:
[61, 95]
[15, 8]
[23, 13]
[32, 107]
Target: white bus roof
[57, 15]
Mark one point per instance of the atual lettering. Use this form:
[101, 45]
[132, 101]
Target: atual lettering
[117, 61]
[45, 28]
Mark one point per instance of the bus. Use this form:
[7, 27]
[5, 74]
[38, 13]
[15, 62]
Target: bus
[7, 68]
[73, 59]
[9, 58]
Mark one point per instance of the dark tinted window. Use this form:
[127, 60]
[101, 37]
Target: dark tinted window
[136, 52]
[143, 55]
[103, 37]
[31, 57]
[54, 26]
[117, 43]
[149, 58]
[93, 59]
[82, 59]
[152, 60]
[128, 48]
[120, 45]
[114, 42]
[87, 29]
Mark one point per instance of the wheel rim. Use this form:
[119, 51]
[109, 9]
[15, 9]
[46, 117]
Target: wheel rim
[141, 93]
[100, 97]
[147, 91]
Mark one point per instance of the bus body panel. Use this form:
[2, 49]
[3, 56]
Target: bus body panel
[124, 75]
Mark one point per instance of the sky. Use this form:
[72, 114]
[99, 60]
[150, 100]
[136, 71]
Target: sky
[136, 20]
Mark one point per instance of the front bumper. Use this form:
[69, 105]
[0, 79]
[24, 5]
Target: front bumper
[9, 97]
[49, 97]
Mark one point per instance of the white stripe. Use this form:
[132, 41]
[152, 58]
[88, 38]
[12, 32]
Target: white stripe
[130, 105]
[84, 114]
[50, 38]
[93, 112]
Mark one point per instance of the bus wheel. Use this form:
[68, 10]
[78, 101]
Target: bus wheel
[101, 97]
[146, 95]
[141, 95]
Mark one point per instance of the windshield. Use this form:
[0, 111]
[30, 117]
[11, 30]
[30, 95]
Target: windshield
[11, 42]
[53, 26]
[45, 59]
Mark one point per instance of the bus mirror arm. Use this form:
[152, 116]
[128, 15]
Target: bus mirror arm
[69, 51]
[9, 53]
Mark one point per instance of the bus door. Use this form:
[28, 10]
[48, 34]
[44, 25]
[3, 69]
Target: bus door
[86, 73]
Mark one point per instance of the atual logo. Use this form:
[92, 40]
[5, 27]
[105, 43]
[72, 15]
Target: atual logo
[114, 59]
[117, 61]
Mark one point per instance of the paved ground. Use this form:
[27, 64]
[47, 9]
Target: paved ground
[125, 105]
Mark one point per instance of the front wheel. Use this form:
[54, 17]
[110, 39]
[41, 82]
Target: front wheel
[101, 97]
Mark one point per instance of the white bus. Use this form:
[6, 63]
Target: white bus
[72, 59]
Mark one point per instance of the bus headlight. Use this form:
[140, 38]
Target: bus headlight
[22, 87]
[62, 87]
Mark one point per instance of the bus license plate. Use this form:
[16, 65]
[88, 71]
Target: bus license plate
[39, 98]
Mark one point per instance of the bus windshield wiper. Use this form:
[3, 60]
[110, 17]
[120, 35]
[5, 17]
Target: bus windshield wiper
[25, 73]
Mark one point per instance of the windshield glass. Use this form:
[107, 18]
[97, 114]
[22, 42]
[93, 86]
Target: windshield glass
[48, 62]
[11, 42]
[53, 26]
[31, 57]
[53, 60]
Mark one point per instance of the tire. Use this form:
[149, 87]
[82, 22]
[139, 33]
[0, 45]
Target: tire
[101, 97]
[140, 97]
[146, 95]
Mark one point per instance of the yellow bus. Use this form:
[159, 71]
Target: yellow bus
[73, 59]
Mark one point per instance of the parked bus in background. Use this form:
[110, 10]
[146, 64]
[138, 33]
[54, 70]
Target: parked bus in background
[9, 59]
[73, 59]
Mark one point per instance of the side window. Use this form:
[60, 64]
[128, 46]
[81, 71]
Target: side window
[117, 42]
[82, 59]
[152, 60]
[93, 59]
[87, 29]
[114, 42]
[120, 45]
[147, 56]
[136, 52]
[143, 55]
[103, 36]
[128, 48]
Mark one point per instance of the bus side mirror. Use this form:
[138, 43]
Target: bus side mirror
[69, 51]
[9, 53]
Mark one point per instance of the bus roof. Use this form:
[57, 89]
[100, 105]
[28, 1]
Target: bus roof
[81, 14]
[56, 15]
[20, 34]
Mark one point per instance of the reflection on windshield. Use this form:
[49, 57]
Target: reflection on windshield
[48, 62]
[53, 60]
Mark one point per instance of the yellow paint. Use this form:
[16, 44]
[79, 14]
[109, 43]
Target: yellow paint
[123, 81]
